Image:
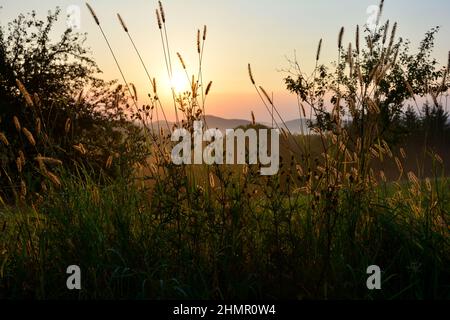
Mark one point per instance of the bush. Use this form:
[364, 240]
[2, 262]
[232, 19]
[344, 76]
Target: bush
[53, 108]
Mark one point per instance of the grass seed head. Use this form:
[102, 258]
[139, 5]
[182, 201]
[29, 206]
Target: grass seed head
[109, 162]
[428, 184]
[29, 136]
[413, 179]
[394, 58]
[26, 95]
[212, 182]
[341, 36]
[380, 11]
[438, 158]
[194, 87]
[383, 176]
[448, 63]
[54, 179]
[198, 41]
[205, 30]
[41, 164]
[360, 77]
[374, 153]
[208, 88]
[410, 89]
[158, 18]
[124, 26]
[23, 188]
[93, 13]
[387, 149]
[19, 165]
[370, 43]
[319, 48]
[357, 39]
[22, 157]
[48, 160]
[181, 60]
[161, 9]
[399, 164]
[133, 87]
[80, 148]
[37, 100]
[154, 86]
[386, 28]
[3, 139]
[38, 126]
[373, 106]
[394, 31]
[350, 57]
[67, 125]
[266, 95]
[250, 73]
[80, 97]
[403, 153]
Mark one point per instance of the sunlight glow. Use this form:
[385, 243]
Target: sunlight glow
[179, 82]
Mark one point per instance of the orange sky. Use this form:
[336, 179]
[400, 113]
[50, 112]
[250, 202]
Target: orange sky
[262, 32]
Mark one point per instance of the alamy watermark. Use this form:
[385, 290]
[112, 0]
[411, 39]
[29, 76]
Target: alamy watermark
[73, 17]
[374, 280]
[237, 150]
[74, 280]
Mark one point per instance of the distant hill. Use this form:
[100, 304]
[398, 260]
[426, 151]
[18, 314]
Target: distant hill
[295, 126]
[298, 125]
[214, 122]
[223, 124]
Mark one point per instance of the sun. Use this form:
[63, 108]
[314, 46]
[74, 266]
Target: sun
[179, 82]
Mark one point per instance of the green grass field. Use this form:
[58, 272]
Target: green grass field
[227, 243]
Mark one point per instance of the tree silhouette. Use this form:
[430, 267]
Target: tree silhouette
[50, 90]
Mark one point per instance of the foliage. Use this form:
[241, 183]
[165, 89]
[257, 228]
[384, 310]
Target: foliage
[386, 72]
[42, 87]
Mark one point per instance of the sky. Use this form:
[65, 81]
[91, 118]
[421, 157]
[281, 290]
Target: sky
[264, 33]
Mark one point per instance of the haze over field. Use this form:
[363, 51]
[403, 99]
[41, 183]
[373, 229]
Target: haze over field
[295, 126]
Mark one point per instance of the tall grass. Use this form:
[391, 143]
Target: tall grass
[226, 232]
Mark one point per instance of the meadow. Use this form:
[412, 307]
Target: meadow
[93, 184]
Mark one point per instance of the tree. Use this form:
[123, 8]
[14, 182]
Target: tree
[434, 123]
[52, 105]
[410, 121]
[372, 83]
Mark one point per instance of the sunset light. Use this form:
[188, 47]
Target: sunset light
[179, 82]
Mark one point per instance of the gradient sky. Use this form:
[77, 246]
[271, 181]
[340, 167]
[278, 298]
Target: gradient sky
[262, 32]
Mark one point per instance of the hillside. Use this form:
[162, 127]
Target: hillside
[295, 126]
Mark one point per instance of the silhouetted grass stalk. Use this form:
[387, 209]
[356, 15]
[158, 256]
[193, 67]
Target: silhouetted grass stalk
[125, 28]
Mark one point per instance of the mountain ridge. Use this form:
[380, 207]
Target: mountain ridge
[295, 125]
